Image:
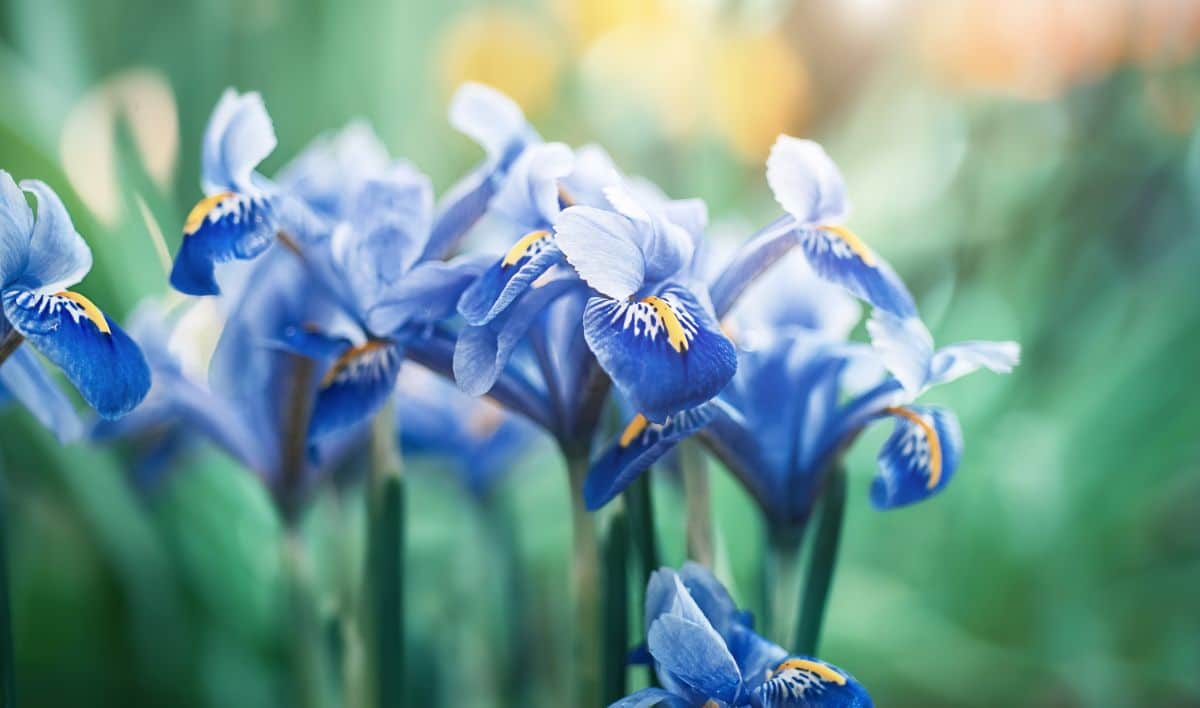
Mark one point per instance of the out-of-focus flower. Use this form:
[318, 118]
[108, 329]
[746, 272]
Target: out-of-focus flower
[508, 49]
[143, 100]
[760, 89]
[706, 653]
[588, 20]
[40, 257]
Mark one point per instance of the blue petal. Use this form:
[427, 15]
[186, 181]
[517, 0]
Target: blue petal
[807, 682]
[806, 182]
[96, 355]
[24, 377]
[332, 165]
[641, 446]
[956, 360]
[604, 248]
[239, 135]
[58, 257]
[856, 268]
[483, 351]
[356, 385]
[16, 228]
[491, 119]
[458, 210]
[313, 344]
[428, 293]
[504, 281]
[687, 648]
[664, 353]
[529, 196]
[919, 458]
[752, 259]
[221, 228]
[648, 697]
[905, 346]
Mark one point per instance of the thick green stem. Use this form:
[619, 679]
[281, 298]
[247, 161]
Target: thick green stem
[821, 563]
[699, 504]
[8, 677]
[781, 580]
[385, 559]
[639, 500]
[516, 642]
[585, 586]
[307, 640]
[616, 608]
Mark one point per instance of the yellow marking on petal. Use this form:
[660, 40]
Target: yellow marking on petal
[89, 308]
[852, 240]
[520, 248]
[195, 217]
[710, 703]
[347, 357]
[813, 667]
[634, 429]
[935, 444]
[676, 337]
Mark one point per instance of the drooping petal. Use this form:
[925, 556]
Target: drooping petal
[239, 135]
[221, 228]
[96, 355]
[649, 697]
[23, 376]
[509, 278]
[687, 648]
[603, 247]
[489, 118]
[957, 360]
[355, 386]
[806, 182]
[807, 682]
[840, 257]
[640, 446]
[919, 458]
[58, 256]
[427, 293]
[483, 351]
[905, 346]
[665, 353]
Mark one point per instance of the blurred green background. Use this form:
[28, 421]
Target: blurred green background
[1031, 168]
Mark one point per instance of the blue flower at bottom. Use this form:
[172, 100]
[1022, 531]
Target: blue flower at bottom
[707, 655]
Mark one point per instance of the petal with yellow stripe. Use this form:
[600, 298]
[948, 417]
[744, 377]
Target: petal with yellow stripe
[919, 458]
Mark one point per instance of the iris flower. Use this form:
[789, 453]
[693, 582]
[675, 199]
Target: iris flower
[707, 655]
[40, 257]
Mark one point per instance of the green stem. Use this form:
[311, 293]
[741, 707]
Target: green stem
[8, 676]
[385, 570]
[307, 640]
[639, 500]
[781, 578]
[515, 645]
[698, 499]
[616, 608]
[585, 585]
[821, 563]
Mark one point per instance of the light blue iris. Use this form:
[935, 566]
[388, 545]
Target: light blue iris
[705, 652]
[40, 257]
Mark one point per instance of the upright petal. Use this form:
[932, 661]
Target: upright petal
[96, 355]
[391, 215]
[489, 118]
[23, 376]
[16, 228]
[221, 228]
[529, 196]
[355, 386]
[603, 247]
[806, 182]
[687, 648]
[919, 458]
[239, 135]
[664, 353]
[957, 360]
[639, 446]
[807, 682]
[905, 346]
[58, 256]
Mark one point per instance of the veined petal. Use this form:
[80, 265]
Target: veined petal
[603, 247]
[957, 360]
[58, 256]
[639, 446]
[96, 355]
[806, 182]
[218, 229]
[664, 353]
[529, 195]
[839, 256]
[687, 648]
[807, 682]
[919, 458]
[649, 697]
[905, 346]
[23, 376]
[390, 216]
[239, 135]
[427, 293]
[509, 278]
[356, 385]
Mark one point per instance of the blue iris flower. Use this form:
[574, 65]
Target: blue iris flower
[40, 257]
[706, 654]
[803, 393]
[810, 188]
